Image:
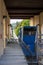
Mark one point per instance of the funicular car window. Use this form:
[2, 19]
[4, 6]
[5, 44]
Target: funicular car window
[30, 31]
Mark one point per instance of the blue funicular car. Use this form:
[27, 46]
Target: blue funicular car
[27, 36]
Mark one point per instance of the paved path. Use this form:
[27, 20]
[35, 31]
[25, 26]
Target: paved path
[13, 55]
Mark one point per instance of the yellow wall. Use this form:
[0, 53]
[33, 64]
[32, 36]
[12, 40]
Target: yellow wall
[36, 20]
[1, 30]
[3, 12]
[41, 22]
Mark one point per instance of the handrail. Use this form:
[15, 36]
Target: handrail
[40, 34]
[39, 41]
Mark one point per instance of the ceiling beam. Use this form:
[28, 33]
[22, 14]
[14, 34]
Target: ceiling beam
[20, 17]
[25, 8]
[21, 14]
[25, 11]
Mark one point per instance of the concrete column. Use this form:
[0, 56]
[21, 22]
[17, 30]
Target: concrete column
[39, 20]
[31, 21]
[41, 23]
[4, 32]
[8, 27]
[36, 20]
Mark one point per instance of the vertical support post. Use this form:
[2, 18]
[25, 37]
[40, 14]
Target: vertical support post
[4, 30]
[39, 28]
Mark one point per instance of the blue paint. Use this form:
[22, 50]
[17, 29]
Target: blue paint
[29, 40]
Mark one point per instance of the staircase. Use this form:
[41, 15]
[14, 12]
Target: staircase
[13, 55]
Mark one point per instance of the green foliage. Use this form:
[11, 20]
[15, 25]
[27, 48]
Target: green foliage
[17, 31]
[25, 22]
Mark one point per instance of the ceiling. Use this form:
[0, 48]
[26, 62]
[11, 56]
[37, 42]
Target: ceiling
[23, 8]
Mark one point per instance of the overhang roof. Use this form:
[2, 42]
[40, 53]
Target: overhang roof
[24, 8]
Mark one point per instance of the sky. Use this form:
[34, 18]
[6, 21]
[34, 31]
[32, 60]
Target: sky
[15, 20]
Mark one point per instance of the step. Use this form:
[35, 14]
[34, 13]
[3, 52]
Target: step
[13, 56]
[14, 64]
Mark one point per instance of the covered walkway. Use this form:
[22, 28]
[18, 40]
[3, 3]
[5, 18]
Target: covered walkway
[22, 9]
[13, 55]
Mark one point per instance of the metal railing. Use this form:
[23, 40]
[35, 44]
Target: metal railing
[39, 43]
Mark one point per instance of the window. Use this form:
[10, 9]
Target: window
[29, 32]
